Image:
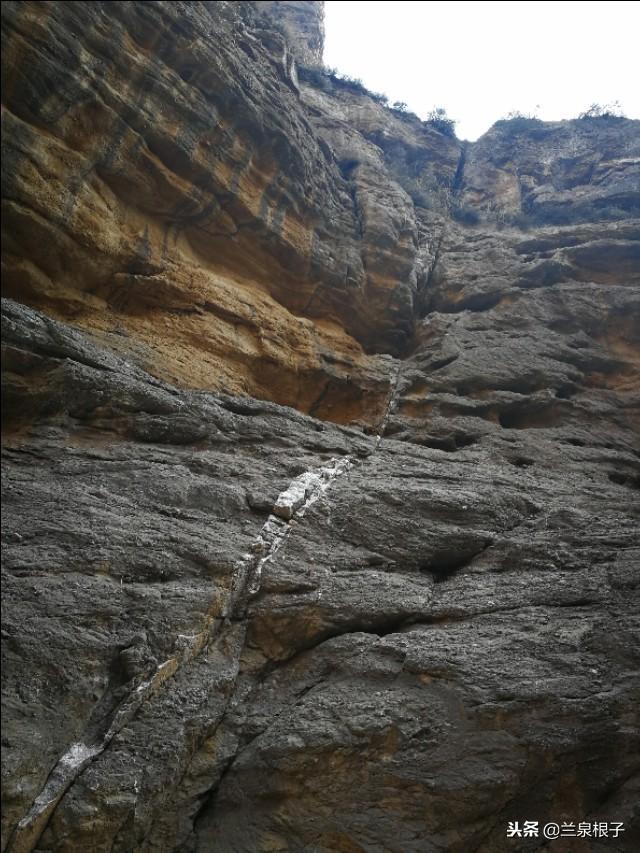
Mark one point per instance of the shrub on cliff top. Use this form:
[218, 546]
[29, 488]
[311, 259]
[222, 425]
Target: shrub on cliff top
[401, 110]
[380, 97]
[440, 121]
[325, 78]
[517, 121]
[603, 111]
[315, 76]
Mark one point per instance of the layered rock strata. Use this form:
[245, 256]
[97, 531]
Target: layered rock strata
[320, 451]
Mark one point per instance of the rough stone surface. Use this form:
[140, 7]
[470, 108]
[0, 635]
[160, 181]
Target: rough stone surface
[301, 22]
[320, 451]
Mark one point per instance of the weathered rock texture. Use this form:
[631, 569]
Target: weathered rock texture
[320, 451]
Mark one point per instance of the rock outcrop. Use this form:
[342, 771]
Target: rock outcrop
[320, 451]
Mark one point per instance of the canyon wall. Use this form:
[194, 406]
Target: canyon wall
[320, 450]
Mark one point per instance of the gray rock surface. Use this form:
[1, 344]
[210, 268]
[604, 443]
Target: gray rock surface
[229, 625]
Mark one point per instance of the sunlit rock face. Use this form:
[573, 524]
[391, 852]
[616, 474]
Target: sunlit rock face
[320, 451]
[300, 22]
[545, 173]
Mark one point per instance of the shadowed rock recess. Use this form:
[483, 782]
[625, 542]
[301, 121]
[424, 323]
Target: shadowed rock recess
[320, 451]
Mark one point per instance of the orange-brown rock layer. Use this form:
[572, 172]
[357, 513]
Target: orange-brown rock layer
[166, 191]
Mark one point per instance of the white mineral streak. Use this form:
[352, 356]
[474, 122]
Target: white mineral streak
[77, 754]
[70, 764]
[292, 504]
[301, 493]
[76, 758]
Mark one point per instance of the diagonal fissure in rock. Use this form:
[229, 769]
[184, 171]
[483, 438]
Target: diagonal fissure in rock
[292, 505]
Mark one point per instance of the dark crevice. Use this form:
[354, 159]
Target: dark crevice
[209, 797]
[445, 564]
[464, 440]
[449, 443]
[632, 481]
[393, 428]
[438, 364]
[398, 623]
[459, 175]
[320, 399]
[57, 355]
[522, 462]
[566, 392]
[347, 168]
[477, 302]
[243, 406]
[184, 311]
[381, 627]
[348, 174]
[530, 415]
[545, 273]
[422, 305]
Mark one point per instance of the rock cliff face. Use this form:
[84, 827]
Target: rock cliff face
[320, 451]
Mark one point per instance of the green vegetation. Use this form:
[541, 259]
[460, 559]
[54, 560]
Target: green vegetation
[329, 78]
[603, 111]
[326, 78]
[518, 121]
[440, 121]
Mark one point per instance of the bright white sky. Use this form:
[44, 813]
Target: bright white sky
[480, 60]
